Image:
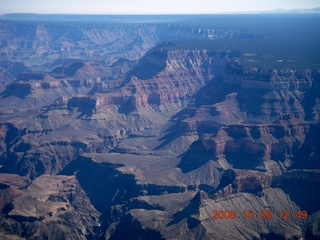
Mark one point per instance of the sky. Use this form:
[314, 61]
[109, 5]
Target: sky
[150, 6]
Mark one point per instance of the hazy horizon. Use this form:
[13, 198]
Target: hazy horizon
[151, 6]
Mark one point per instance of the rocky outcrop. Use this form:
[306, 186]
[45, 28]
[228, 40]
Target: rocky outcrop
[33, 95]
[270, 79]
[85, 105]
[175, 77]
[244, 181]
[41, 89]
[54, 206]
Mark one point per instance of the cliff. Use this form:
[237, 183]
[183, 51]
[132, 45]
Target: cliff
[270, 123]
[164, 77]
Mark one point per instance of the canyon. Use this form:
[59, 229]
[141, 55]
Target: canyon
[144, 129]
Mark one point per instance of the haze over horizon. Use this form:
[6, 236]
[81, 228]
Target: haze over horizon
[150, 6]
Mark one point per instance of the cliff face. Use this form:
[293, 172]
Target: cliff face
[165, 77]
[255, 114]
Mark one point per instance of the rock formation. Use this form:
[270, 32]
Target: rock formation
[153, 131]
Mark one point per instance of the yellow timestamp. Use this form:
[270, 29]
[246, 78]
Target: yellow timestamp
[262, 214]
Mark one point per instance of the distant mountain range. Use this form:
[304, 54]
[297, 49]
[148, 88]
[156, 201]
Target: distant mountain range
[92, 17]
[312, 10]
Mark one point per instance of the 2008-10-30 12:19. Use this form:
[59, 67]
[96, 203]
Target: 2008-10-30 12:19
[262, 214]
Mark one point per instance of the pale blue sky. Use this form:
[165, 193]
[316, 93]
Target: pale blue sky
[149, 6]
